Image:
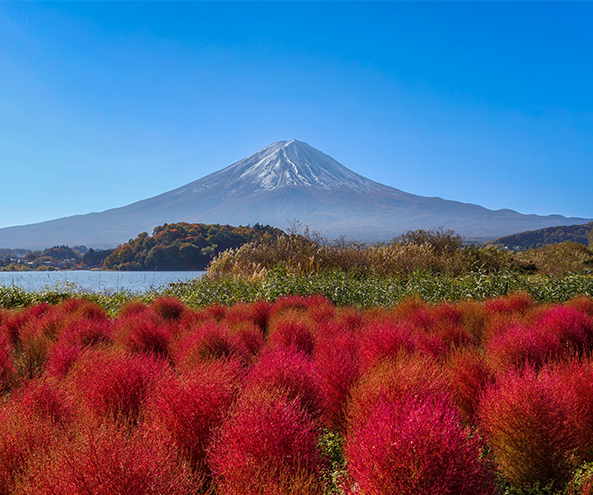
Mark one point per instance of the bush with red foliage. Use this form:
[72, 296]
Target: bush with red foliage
[516, 304]
[448, 325]
[209, 342]
[111, 385]
[81, 309]
[414, 375]
[168, 308]
[7, 369]
[572, 328]
[519, 346]
[188, 410]
[577, 380]
[131, 308]
[250, 339]
[583, 304]
[257, 313]
[62, 356]
[138, 332]
[268, 447]
[469, 375]
[109, 461]
[22, 438]
[381, 340]
[292, 332]
[526, 421]
[290, 373]
[413, 446]
[46, 399]
[336, 370]
[86, 332]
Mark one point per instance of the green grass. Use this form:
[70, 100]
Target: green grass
[341, 288]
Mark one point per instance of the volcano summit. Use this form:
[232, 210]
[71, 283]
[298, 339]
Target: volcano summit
[285, 181]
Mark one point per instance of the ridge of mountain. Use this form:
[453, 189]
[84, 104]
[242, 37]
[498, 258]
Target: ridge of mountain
[580, 233]
[282, 182]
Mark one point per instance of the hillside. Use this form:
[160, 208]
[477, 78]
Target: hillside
[183, 246]
[550, 235]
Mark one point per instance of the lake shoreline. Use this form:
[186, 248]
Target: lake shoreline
[96, 280]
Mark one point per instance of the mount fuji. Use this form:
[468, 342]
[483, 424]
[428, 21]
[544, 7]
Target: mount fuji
[285, 181]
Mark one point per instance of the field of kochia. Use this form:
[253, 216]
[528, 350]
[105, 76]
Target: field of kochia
[297, 396]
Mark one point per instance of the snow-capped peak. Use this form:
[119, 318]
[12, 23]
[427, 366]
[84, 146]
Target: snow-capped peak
[286, 163]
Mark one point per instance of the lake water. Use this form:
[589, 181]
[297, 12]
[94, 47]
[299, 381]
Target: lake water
[96, 281]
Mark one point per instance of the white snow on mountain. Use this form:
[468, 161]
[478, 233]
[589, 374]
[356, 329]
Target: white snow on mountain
[282, 164]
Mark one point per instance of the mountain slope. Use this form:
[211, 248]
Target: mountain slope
[551, 235]
[285, 181]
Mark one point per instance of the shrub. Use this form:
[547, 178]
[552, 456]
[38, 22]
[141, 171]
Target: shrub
[188, 410]
[291, 332]
[469, 375]
[520, 346]
[415, 446]
[515, 304]
[572, 328]
[46, 400]
[525, 420]
[289, 373]
[413, 375]
[209, 342]
[267, 447]
[109, 461]
[257, 313]
[62, 356]
[7, 369]
[577, 380]
[80, 309]
[113, 385]
[87, 332]
[140, 333]
[22, 438]
[168, 308]
[381, 340]
[336, 370]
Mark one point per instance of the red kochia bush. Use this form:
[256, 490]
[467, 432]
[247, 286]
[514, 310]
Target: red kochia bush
[292, 333]
[268, 447]
[290, 373]
[518, 346]
[526, 421]
[22, 438]
[168, 308]
[514, 304]
[469, 375]
[336, 370]
[45, 399]
[577, 380]
[138, 332]
[6, 366]
[108, 461]
[412, 376]
[572, 328]
[62, 357]
[208, 342]
[87, 332]
[113, 385]
[381, 340]
[79, 309]
[188, 410]
[257, 313]
[417, 447]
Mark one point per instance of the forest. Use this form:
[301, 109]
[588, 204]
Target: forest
[184, 246]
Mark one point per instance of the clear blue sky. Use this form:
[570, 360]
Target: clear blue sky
[106, 103]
